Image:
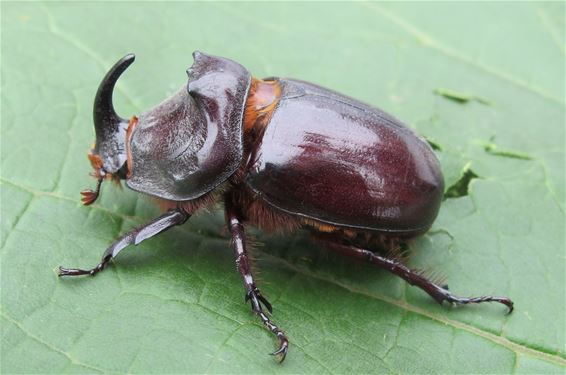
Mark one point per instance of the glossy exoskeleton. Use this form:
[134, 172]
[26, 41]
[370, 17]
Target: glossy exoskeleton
[281, 154]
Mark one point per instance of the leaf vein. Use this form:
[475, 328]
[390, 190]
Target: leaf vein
[48, 345]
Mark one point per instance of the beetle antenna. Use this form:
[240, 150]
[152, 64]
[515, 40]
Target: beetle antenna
[106, 120]
[89, 196]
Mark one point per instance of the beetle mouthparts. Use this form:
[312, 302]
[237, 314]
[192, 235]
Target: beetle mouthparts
[89, 195]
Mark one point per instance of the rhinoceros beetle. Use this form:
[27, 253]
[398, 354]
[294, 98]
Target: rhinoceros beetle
[281, 154]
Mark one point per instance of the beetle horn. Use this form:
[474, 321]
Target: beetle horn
[106, 120]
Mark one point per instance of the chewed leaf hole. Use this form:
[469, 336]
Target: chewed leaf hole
[434, 145]
[460, 97]
[492, 149]
[461, 187]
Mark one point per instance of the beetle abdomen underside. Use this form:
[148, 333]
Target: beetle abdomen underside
[330, 158]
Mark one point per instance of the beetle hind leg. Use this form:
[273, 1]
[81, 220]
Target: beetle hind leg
[440, 293]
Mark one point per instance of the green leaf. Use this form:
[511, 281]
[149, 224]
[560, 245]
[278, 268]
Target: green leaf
[175, 304]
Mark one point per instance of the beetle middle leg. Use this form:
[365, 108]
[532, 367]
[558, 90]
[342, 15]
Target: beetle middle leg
[439, 293]
[134, 237]
[253, 294]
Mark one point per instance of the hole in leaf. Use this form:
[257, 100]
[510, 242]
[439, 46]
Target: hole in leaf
[435, 146]
[460, 187]
[491, 148]
[460, 97]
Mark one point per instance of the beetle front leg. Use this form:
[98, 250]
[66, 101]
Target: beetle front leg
[134, 237]
[253, 294]
[439, 293]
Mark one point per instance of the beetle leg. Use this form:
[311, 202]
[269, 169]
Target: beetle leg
[252, 292]
[134, 237]
[439, 293]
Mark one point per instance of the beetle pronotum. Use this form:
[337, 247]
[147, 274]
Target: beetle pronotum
[281, 154]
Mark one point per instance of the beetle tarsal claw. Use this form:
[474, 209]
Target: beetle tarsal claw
[507, 302]
[78, 272]
[281, 353]
[72, 272]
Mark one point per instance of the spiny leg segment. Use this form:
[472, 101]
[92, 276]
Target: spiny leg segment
[134, 237]
[439, 293]
[253, 294]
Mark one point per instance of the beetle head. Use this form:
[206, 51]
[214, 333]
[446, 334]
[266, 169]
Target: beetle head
[182, 148]
[108, 155]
